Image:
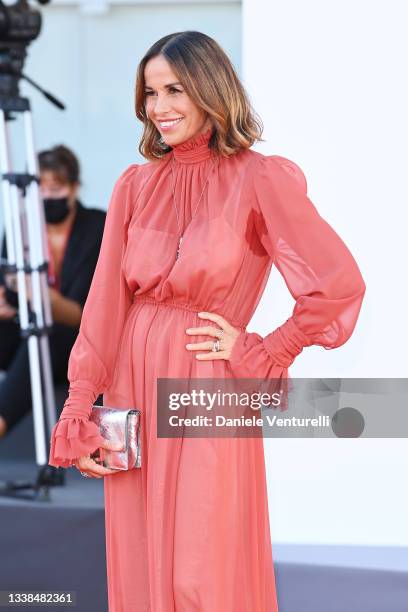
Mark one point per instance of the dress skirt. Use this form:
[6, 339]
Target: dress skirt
[189, 530]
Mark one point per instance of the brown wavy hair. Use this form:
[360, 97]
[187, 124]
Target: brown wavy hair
[210, 80]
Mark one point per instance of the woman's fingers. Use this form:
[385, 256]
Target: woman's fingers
[90, 464]
[216, 318]
[113, 446]
[91, 468]
[224, 332]
[203, 346]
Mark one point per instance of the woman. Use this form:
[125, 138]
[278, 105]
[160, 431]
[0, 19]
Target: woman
[189, 242]
[74, 237]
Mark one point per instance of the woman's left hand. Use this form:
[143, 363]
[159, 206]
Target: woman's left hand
[226, 333]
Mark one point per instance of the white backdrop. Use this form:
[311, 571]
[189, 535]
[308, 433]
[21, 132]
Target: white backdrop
[327, 80]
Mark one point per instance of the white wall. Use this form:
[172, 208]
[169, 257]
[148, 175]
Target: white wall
[327, 79]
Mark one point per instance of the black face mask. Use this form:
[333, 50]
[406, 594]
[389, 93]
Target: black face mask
[56, 209]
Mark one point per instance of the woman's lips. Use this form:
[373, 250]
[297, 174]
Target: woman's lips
[167, 126]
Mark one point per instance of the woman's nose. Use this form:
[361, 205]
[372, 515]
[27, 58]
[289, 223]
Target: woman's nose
[161, 106]
[52, 194]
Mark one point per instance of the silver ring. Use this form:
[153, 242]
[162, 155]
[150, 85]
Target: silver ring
[84, 475]
[216, 345]
[220, 332]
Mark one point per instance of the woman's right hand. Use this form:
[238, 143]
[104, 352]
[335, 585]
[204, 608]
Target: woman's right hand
[6, 311]
[91, 467]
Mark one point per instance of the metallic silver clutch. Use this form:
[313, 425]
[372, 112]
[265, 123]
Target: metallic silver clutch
[119, 425]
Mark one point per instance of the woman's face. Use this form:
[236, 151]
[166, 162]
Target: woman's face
[166, 101]
[52, 187]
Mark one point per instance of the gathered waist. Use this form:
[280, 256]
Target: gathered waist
[150, 299]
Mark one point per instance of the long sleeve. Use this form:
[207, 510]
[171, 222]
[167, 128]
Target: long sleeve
[92, 358]
[317, 267]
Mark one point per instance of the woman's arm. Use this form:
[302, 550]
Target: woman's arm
[64, 310]
[92, 359]
[318, 268]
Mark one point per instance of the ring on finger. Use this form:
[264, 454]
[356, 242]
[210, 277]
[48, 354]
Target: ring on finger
[216, 345]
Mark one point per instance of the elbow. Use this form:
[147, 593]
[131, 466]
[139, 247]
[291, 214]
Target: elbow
[350, 290]
[329, 316]
[337, 317]
[342, 328]
[358, 282]
[359, 293]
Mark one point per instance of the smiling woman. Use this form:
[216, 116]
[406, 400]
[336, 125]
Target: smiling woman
[193, 89]
[168, 106]
[189, 530]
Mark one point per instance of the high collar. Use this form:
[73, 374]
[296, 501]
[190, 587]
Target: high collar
[194, 149]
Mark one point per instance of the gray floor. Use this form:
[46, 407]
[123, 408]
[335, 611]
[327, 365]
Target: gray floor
[52, 545]
[55, 545]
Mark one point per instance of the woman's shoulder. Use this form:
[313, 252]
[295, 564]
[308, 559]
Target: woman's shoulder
[136, 174]
[273, 165]
[137, 170]
[89, 219]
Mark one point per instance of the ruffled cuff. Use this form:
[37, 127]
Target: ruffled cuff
[74, 435]
[73, 438]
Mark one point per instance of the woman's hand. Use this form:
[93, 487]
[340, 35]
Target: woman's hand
[226, 333]
[6, 310]
[11, 282]
[89, 464]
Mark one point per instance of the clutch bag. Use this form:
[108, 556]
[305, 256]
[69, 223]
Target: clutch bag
[119, 425]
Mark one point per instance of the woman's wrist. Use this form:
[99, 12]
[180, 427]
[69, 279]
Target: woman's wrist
[252, 355]
[286, 342]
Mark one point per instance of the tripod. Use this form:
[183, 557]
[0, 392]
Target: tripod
[27, 258]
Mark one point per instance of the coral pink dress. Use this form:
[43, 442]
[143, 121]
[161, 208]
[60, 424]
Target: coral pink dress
[189, 530]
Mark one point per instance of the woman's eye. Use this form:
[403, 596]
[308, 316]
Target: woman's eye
[172, 90]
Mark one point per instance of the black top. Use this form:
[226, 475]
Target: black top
[81, 254]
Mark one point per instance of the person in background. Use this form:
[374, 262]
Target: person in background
[74, 236]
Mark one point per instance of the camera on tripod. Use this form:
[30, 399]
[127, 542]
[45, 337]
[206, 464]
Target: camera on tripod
[19, 25]
[25, 234]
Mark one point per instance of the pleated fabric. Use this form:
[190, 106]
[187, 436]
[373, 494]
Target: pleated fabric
[189, 531]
